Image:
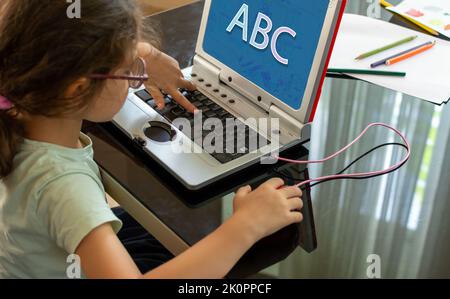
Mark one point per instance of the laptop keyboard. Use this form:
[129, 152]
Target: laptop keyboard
[236, 131]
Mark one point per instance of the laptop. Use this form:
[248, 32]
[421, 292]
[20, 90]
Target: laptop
[259, 67]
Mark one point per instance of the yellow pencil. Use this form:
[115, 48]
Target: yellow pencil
[386, 4]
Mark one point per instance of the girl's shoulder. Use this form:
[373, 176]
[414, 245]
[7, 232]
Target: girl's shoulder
[38, 164]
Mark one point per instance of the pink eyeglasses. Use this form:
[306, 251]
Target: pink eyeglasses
[138, 74]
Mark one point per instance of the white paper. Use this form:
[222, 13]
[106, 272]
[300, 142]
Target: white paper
[427, 74]
[433, 13]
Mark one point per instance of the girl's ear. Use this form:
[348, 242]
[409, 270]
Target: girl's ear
[77, 88]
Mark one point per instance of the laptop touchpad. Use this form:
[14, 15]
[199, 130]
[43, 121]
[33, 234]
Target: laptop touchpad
[160, 132]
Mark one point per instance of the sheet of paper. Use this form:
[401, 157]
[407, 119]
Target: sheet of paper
[428, 74]
[433, 13]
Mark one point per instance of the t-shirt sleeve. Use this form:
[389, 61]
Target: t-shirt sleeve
[72, 206]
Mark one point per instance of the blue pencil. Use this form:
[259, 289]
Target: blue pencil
[381, 62]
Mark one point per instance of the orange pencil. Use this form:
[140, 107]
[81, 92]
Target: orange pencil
[410, 54]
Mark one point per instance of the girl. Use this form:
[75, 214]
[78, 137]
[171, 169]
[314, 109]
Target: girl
[56, 72]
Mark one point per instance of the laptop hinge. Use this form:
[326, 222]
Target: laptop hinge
[205, 69]
[290, 128]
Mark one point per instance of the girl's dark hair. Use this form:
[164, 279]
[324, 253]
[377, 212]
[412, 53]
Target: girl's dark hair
[43, 51]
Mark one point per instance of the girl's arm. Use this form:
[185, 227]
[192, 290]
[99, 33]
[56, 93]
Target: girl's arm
[257, 214]
[111, 202]
[103, 255]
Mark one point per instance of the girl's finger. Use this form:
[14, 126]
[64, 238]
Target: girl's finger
[180, 99]
[158, 97]
[244, 191]
[295, 203]
[291, 191]
[296, 217]
[187, 84]
[275, 183]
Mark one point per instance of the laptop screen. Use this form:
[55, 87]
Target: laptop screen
[270, 43]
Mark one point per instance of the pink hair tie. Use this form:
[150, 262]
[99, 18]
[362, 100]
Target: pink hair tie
[5, 104]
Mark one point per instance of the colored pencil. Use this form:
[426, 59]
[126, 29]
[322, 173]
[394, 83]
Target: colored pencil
[387, 47]
[383, 61]
[367, 72]
[410, 54]
[386, 4]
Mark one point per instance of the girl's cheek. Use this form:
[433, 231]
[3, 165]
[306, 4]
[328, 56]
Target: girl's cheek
[122, 87]
[123, 94]
[119, 90]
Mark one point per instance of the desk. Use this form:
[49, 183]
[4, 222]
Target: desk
[402, 218]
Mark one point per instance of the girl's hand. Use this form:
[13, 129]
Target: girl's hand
[269, 208]
[165, 74]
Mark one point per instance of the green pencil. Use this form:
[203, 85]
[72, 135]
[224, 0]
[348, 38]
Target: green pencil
[367, 72]
[390, 46]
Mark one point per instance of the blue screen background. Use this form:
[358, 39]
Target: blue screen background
[286, 82]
